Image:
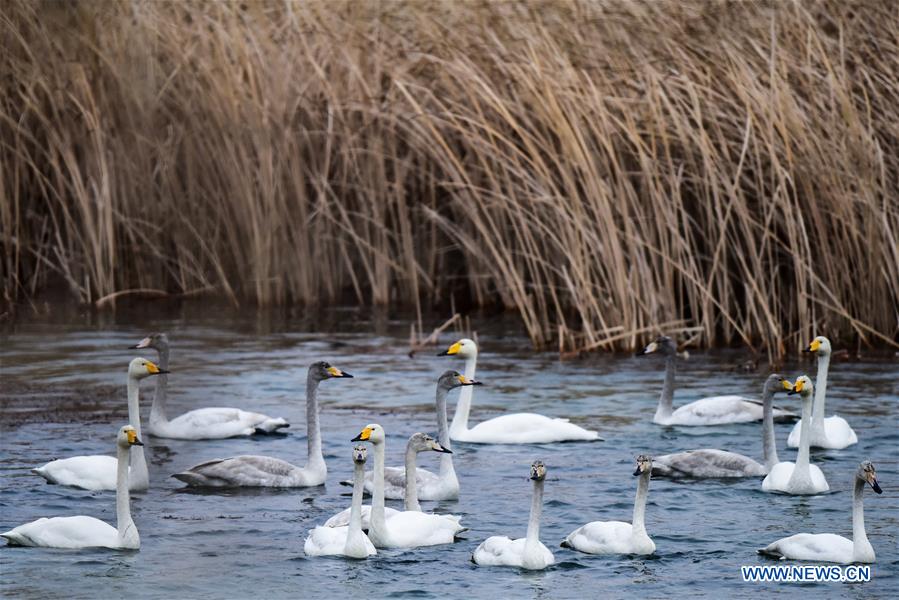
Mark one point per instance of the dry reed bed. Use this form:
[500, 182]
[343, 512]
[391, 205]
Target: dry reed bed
[605, 169]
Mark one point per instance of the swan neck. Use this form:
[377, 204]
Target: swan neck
[356, 506]
[135, 456]
[533, 535]
[859, 536]
[805, 433]
[378, 521]
[666, 400]
[463, 406]
[411, 488]
[769, 444]
[157, 410]
[443, 436]
[124, 524]
[640, 503]
[820, 391]
[314, 457]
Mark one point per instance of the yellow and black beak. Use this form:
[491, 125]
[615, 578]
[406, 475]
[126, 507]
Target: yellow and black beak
[152, 369]
[813, 347]
[463, 380]
[872, 481]
[454, 349]
[787, 385]
[797, 387]
[363, 436]
[335, 372]
[132, 438]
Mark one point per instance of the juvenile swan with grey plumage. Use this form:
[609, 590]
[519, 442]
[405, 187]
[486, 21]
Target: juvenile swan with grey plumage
[715, 410]
[517, 428]
[618, 537]
[212, 423]
[710, 463]
[265, 471]
[829, 547]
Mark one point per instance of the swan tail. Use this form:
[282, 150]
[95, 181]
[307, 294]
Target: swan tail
[271, 426]
[347, 483]
[40, 471]
[565, 544]
[191, 478]
[12, 538]
[770, 552]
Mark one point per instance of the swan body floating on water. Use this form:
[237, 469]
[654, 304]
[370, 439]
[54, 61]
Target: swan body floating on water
[203, 423]
[829, 547]
[800, 477]
[99, 472]
[710, 463]
[442, 486]
[348, 540]
[88, 532]
[407, 528]
[265, 471]
[419, 442]
[714, 410]
[826, 432]
[527, 552]
[518, 428]
[618, 537]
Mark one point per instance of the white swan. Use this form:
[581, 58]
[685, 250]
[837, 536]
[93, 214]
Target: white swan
[527, 552]
[826, 432]
[349, 540]
[265, 471]
[829, 547]
[710, 463]
[444, 486]
[98, 472]
[408, 528]
[88, 532]
[202, 423]
[419, 442]
[714, 410]
[518, 428]
[799, 477]
[618, 537]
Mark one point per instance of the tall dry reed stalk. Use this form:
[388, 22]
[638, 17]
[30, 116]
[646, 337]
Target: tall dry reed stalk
[605, 169]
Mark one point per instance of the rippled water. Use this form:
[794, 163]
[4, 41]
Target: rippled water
[250, 542]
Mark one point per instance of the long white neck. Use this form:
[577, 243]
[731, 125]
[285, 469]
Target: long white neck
[820, 391]
[139, 473]
[411, 488]
[640, 502]
[378, 521]
[666, 400]
[463, 406]
[805, 434]
[355, 528]
[127, 531]
[446, 460]
[769, 444]
[157, 410]
[533, 535]
[315, 460]
[861, 547]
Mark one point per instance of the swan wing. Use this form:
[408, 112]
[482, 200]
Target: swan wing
[499, 550]
[343, 517]
[706, 463]
[838, 433]
[602, 537]
[827, 547]
[717, 410]
[526, 428]
[64, 532]
[326, 541]
[410, 529]
[218, 423]
[778, 478]
[248, 471]
[86, 472]
[428, 483]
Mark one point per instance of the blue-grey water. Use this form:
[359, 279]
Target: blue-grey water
[249, 543]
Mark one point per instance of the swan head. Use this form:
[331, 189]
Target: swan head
[644, 465]
[128, 437]
[820, 344]
[360, 454]
[464, 348]
[867, 473]
[777, 383]
[802, 386]
[156, 341]
[422, 442]
[663, 344]
[453, 379]
[538, 471]
[373, 433]
[321, 370]
[141, 367]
